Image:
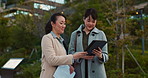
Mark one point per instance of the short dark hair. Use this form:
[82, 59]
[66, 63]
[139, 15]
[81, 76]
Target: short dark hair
[53, 18]
[92, 12]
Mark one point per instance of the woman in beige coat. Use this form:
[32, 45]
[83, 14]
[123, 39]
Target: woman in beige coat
[53, 51]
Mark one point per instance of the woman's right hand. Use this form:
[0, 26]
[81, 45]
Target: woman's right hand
[79, 55]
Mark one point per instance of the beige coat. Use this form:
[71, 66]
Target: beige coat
[53, 54]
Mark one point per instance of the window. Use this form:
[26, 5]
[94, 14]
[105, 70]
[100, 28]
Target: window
[43, 6]
[57, 1]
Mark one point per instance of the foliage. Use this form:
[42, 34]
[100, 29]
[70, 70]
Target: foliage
[31, 64]
[29, 70]
[113, 24]
[9, 2]
[22, 38]
[131, 68]
[19, 53]
[146, 28]
[4, 35]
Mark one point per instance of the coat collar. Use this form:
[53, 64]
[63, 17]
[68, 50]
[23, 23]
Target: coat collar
[95, 30]
[54, 36]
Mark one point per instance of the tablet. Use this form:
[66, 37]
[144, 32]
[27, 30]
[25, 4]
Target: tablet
[94, 45]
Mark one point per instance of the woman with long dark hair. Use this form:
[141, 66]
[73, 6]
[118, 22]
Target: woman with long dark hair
[53, 51]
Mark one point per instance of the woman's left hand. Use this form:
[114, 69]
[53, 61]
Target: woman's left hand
[98, 53]
[71, 68]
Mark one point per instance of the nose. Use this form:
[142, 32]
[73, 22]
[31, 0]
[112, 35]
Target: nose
[64, 26]
[91, 23]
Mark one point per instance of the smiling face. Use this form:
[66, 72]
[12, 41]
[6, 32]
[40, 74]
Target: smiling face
[90, 19]
[59, 25]
[90, 23]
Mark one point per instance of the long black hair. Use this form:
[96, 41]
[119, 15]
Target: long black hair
[53, 18]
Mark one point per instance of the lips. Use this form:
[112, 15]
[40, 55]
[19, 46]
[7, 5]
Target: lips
[89, 27]
[63, 29]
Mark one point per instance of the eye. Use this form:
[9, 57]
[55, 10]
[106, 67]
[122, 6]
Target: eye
[62, 23]
[88, 20]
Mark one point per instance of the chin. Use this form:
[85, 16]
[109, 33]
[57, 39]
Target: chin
[62, 32]
[90, 29]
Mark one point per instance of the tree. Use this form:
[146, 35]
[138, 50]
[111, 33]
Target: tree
[4, 35]
[113, 20]
[24, 32]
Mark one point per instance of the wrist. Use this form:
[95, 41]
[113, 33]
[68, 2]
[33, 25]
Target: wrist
[100, 57]
[74, 56]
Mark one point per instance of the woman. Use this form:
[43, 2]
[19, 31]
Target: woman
[53, 51]
[88, 66]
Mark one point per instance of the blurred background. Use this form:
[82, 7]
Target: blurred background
[125, 23]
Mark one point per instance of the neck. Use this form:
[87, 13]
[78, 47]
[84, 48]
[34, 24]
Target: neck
[86, 31]
[58, 35]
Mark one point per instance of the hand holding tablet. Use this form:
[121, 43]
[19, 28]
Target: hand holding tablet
[94, 45]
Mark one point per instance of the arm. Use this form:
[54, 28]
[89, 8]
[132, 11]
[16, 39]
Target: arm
[104, 50]
[50, 55]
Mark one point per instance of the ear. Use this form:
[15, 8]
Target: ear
[83, 18]
[52, 23]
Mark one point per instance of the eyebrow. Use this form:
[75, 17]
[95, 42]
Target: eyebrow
[63, 21]
[92, 19]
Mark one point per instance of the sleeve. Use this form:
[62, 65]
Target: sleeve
[71, 49]
[50, 56]
[104, 50]
[72, 46]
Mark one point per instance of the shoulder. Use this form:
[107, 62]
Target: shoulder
[100, 31]
[74, 32]
[96, 30]
[47, 36]
[79, 30]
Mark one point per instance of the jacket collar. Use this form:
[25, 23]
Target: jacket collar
[54, 36]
